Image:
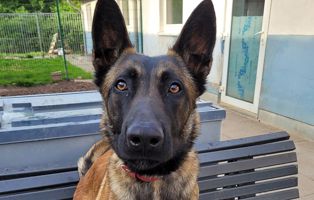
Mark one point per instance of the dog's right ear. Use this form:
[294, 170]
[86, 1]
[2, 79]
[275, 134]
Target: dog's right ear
[196, 42]
[110, 37]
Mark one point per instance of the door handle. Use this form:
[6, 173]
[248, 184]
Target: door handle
[259, 33]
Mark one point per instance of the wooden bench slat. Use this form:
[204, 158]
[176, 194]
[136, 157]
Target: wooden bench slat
[255, 163]
[38, 181]
[250, 189]
[245, 152]
[281, 195]
[48, 194]
[247, 177]
[236, 143]
[38, 171]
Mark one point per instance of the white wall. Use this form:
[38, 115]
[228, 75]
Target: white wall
[216, 71]
[292, 17]
[157, 42]
[154, 42]
[87, 22]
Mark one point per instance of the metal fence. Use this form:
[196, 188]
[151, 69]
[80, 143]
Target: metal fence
[31, 50]
[36, 32]
[31, 44]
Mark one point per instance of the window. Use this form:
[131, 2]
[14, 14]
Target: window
[174, 11]
[171, 16]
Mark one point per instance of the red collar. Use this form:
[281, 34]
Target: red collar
[141, 177]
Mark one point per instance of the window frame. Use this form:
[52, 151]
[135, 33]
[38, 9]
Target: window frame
[89, 16]
[132, 14]
[169, 29]
[121, 5]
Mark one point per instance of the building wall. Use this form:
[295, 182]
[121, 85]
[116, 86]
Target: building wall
[288, 79]
[87, 22]
[156, 41]
[88, 9]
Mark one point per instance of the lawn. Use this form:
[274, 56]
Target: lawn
[20, 55]
[30, 72]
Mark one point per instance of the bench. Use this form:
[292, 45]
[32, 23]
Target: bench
[254, 168]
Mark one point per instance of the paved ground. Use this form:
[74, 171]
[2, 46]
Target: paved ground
[238, 125]
[84, 62]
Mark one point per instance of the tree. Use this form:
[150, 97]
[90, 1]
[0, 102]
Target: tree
[44, 6]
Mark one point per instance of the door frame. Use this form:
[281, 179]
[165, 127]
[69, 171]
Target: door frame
[252, 107]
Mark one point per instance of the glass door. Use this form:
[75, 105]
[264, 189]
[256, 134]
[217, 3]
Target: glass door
[245, 44]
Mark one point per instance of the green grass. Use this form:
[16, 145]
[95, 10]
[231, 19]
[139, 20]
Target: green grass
[30, 72]
[20, 55]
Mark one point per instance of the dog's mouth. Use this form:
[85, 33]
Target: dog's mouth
[156, 168]
[140, 166]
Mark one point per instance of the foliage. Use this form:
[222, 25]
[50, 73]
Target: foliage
[36, 31]
[29, 72]
[30, 6]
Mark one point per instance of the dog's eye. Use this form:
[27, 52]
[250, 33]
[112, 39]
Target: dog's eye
[174, 88]
[121, 85]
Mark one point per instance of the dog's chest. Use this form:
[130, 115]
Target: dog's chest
[159, 190]
[143, 191]
[181, 184]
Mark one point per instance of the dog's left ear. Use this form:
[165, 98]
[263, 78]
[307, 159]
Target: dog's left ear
[110, 37]
[196, 42]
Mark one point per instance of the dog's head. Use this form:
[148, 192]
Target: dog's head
[150, 102]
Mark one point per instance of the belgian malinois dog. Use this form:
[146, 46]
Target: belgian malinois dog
[150, 120]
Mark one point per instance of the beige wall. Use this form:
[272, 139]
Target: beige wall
[87, 22]
[157, 42]
[292, 17]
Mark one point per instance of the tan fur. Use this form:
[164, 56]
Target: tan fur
[171, 52]
[192, 126]
[95, 184]
[182, 72]
[90, 157]
[107, 181]
[129, 50]
[113, 73]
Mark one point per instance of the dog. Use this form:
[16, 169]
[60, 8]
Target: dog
[150, 122]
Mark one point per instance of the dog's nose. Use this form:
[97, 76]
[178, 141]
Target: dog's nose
[148, 137]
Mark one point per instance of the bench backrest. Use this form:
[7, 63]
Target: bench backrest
[260, 167]
[235, 169]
